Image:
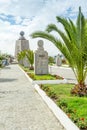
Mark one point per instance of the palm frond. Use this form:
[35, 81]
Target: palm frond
[47, 36]
[21, 55]
[30, 56]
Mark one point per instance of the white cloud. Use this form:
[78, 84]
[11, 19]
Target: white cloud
[5, 1]
[18, 19]
[20, 7]
[33, 15]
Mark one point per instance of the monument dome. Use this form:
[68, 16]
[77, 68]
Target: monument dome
[22, 35]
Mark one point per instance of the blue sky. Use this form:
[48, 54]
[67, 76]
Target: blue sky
[32, 15]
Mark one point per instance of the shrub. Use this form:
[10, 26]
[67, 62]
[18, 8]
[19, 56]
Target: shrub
[31, 75]
[0, 63]
[63, 104]
[49, 92]
[57, 77]
[69, 110]
[45, 88]
[52, 95]
[80, 91]
[82, 123]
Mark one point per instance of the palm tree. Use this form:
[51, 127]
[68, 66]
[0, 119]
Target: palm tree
[30, 57]
[1, 58]
[73, 46]
[21, 56]
[27, 54]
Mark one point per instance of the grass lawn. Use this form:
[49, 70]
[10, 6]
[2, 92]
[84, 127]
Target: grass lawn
[44, 77]
[75, 107]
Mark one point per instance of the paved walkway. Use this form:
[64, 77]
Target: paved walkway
[21, 107]
[65, 72]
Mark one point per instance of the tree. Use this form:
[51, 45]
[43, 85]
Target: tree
[73, 46]
[30, 57]
[1, 58]
[51, 60]
[21, 55]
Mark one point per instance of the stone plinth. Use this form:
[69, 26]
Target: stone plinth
[40, 60]
[58, 61]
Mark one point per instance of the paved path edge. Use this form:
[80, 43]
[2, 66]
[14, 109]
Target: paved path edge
[60, 115]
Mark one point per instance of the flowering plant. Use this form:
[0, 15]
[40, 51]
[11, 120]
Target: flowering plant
[82, 123]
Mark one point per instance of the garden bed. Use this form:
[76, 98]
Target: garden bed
[31, 74]
[75, 107]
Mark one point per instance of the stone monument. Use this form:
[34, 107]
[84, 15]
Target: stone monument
[58, 61]
[40, 60]
[21, 45]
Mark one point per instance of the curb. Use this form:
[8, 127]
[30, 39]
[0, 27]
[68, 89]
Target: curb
[60, 115]
[50, 81]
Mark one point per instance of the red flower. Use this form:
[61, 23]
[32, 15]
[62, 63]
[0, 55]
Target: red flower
[82, 118]
[68, 115]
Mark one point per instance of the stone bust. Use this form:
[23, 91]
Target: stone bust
[40, 44]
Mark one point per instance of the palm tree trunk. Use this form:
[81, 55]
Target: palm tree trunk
[31, 67]
[80, 89]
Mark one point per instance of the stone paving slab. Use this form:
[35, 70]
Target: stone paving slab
[21, 107]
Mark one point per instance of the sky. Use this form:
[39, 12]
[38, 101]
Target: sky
[33, 15]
